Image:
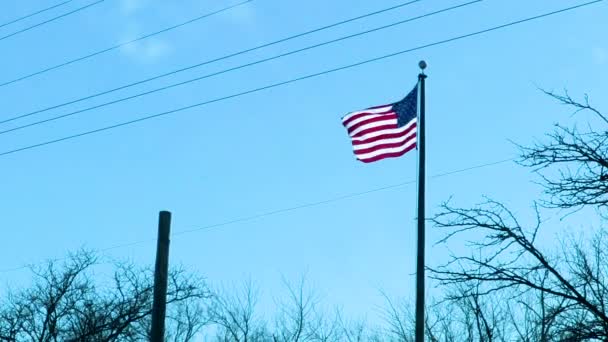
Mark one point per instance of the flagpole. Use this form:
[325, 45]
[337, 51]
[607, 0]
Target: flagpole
[421, 231]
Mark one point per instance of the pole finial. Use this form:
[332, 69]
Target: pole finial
[422, 65]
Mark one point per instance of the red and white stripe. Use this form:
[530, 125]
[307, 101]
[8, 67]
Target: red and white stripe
[375, 134]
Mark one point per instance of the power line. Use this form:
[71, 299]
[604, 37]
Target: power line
[264, 60]
[117, 46]
[256, 90]
[289, 209]
[365, 192]
[332, 200]
[51, 20]
[207, 62]
[35, 13]
[203, 63]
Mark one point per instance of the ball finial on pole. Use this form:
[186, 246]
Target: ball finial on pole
[422, 65]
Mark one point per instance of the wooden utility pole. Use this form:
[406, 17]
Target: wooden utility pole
[159, 307]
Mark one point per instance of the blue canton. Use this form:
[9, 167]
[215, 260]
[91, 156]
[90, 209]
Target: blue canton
[407, 109]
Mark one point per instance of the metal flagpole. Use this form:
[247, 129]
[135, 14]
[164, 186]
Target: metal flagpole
[421, 230]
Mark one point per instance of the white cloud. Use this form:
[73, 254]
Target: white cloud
[131, 6]
[243, 15]
[148, 51]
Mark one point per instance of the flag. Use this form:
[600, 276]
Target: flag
[387, 131]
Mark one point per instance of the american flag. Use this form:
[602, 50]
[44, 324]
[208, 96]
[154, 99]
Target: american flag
[387, 131]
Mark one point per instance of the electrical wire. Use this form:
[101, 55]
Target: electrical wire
[332, 200]
[40, 72]
[51, 20]
[369, 191]
[35, 13]
[256, 90]
[205, 62]
[117, 46]
[264, 60]
[288, 209]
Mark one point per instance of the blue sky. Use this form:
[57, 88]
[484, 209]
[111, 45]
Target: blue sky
[280, 148]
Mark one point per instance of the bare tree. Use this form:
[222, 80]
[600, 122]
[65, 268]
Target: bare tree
[581, 159]
[558, 296]
[398, 319]
[67, 304]
[355, 331]
[234, 313]
[187, 320]
[464, 315]
[298, 318]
